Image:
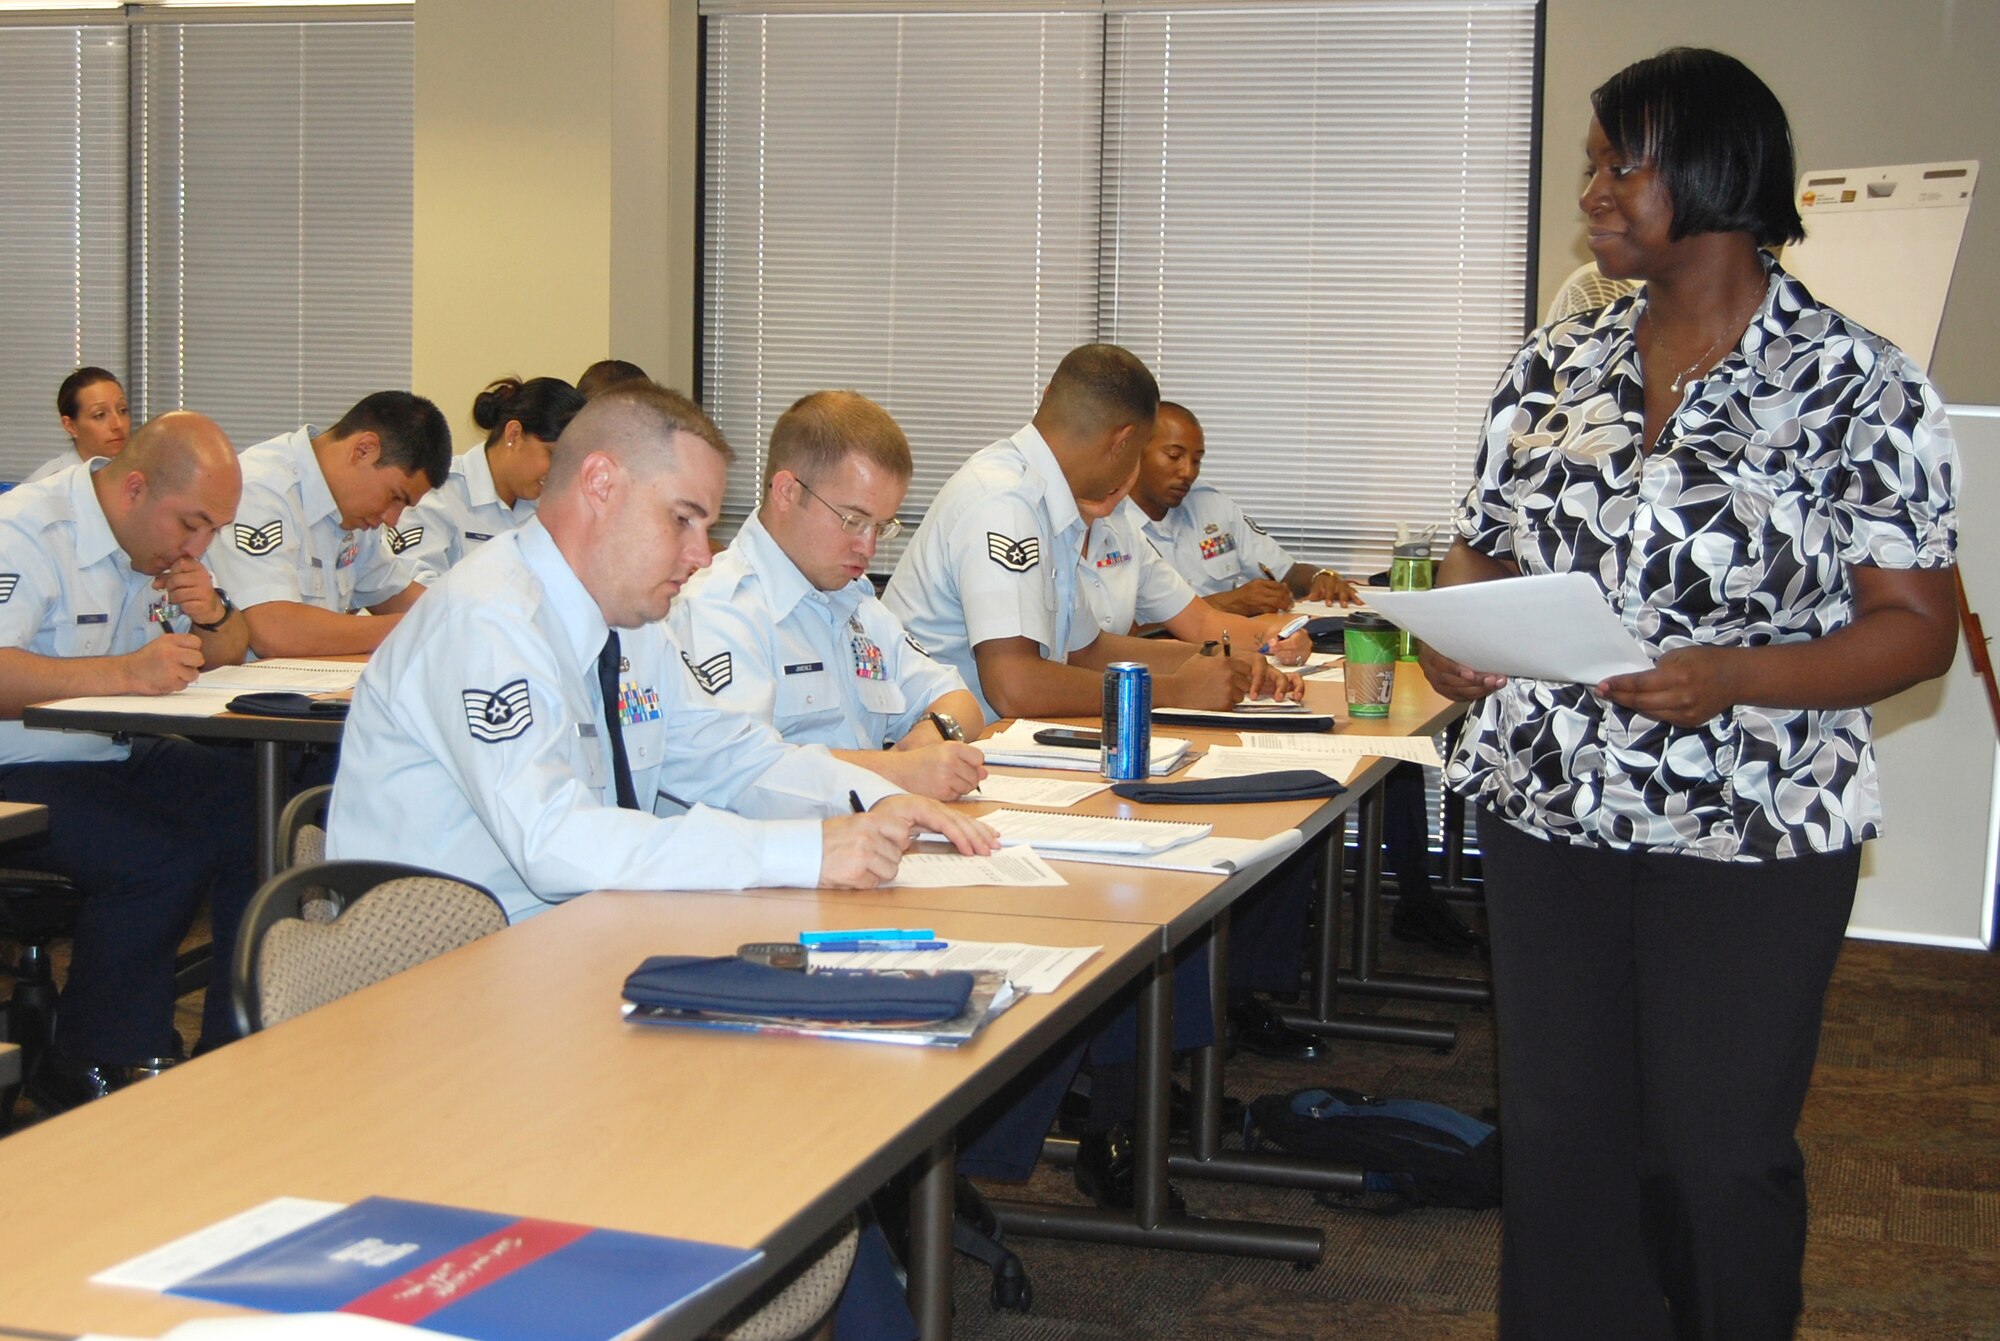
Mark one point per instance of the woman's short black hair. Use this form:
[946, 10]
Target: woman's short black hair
[1717, 136]
[543, 405]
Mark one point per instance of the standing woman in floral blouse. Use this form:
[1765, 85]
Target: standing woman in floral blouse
[1764, 491]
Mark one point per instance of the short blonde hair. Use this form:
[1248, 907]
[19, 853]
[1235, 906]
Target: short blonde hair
[822, 428]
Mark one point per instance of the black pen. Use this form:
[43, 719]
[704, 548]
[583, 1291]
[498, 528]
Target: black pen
[1225, 645]
[1265, 569]
[854, 799]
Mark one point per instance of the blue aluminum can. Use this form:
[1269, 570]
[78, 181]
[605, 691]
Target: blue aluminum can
[1128, 721]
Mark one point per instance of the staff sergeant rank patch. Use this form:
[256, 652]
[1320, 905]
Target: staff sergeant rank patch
[258, 541]
[1016, 556]
[8, 581]
[501, 715]
[713, 675]
[402, 540]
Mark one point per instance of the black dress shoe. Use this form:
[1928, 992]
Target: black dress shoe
[57, 1088]
[1257, 1027]
[1106, 1162]
[1433, 922]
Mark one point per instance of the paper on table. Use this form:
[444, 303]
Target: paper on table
[1414, 749]
[283, 674]
[1222, 761]
[1091, 833]
[1016, 746]
[1250, 710]
[1014, 867]
[187, 1257]
[1552, 626]
[1327, 609]
[1031, 968]
[1060, 793]
[1206, 856]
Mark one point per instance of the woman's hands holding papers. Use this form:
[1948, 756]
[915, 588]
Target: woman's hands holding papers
[1460, 683]
[1686, 686]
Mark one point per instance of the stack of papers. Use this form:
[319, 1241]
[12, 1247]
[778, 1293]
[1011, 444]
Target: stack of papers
[1057, 793]
[1335, 756]
[293, 675]
[992, 994]
[1208, 856]
[1091, 833]
[927, 867]
[1551, 626]
[1017, 747]
[1295, 716]
[1030, 968]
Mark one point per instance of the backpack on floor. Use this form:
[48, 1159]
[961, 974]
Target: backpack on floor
[1422, 1154]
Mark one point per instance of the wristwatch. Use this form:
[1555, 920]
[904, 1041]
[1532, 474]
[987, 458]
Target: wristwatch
[227, 611]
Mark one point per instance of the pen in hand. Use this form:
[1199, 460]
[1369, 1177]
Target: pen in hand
[1265, 569]
[854, 799]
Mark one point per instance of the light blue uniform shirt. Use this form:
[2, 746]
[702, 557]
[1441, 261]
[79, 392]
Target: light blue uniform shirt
[288, 544]
[476, 746]
[1126, 580]
[1212, 544]
[996, 558]
[68, 590]
[832, 668]
[456, 518]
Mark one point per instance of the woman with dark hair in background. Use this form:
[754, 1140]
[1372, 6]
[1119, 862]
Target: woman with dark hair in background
[608, 373]
[493, 490]
[1765, 492]
[91, 406]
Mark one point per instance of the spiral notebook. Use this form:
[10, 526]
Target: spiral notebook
[1059, 833]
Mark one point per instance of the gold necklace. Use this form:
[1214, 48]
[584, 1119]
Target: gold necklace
[1675, 385]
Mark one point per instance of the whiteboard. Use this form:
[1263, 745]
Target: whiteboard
[1930, 878]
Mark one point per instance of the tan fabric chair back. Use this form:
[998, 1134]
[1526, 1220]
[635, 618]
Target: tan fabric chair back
[303, 965]
[799, 1300]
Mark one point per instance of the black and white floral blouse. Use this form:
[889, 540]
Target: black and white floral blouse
[1813, 446]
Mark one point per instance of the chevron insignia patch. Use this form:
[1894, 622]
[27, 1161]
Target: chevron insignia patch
[713, 675]
[1016, 556]
[909, 638]
[8, 581]
[1251, 522]
[402, 540]
[260, 540]
[501, 715]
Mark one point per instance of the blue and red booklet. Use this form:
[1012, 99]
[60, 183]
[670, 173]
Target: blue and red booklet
[466, 1273]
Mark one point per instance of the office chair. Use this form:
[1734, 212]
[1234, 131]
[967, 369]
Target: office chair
[302, 826]
[36, 908]
[381, 918]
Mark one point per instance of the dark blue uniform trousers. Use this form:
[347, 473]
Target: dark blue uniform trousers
[145, 839]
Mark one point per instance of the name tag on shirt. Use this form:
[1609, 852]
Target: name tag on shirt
[805, 667]
[477, 535]
[93, 619]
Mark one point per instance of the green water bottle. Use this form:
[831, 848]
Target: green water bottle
[1411, 568]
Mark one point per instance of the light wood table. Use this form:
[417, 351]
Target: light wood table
[21, 819]
[501, 1077]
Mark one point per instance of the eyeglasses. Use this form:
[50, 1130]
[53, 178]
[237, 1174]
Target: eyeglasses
[854, 523]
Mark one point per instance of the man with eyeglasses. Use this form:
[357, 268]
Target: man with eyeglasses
[785, 626]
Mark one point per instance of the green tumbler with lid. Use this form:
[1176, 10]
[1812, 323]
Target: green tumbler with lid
[1411, 568]
[1371, 645]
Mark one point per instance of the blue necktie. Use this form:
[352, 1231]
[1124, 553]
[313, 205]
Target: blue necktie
[607, 684]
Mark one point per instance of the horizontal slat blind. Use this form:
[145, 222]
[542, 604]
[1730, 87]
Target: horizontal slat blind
[62, 224]
[273, 218]
[904, 203]
[1315, 231]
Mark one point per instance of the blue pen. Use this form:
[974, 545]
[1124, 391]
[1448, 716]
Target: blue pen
[856, 947]
[868, 934]
[1291, 626]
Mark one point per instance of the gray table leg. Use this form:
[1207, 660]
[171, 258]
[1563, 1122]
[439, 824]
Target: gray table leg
[932, 1198]
[270, 760]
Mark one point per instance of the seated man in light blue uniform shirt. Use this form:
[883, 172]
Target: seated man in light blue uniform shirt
[311, 540]
[786, 629]
[1228, 558]
[989, 583]
[479, 742]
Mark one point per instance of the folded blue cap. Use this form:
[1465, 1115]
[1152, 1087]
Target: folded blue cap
[731, 986]
[1297, 784]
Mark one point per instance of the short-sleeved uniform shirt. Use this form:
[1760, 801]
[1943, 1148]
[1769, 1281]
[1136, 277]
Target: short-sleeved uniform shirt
[477, 745]
[287, 543]
[1814, 446]
[1210, 542]
[456, 518]
[996, 558]
[62, 460]
[830, 668]
[68, 590]
[1126, 580]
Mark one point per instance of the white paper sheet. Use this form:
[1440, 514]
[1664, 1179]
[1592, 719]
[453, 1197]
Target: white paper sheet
[1415, 749]
[1225, 762]
[1058, 793]
[1014, 867]
[187, 703]
[1090, 833]
[1553, 626]
[1206, 856]
[298, 675]
[1017, 748]
[1031, 968]
[169, 1264]
[1327, 609]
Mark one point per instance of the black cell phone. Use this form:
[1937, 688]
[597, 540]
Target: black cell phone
[776, 954]
[1070, 736]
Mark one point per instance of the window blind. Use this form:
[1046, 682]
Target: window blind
[272, 218]
[62, 224]
[902, 202]
[1316, 233]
